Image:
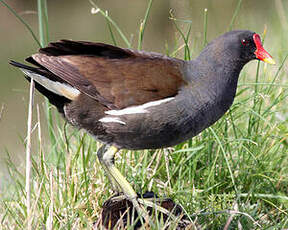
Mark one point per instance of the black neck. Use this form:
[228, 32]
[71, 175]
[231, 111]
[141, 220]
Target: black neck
[215, 78]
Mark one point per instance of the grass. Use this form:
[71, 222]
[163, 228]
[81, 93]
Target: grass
[233, 175]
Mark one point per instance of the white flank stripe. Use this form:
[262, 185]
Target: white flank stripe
[139, 108]
[61, 89]
[112, 119]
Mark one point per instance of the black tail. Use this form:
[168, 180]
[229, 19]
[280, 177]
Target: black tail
[22, 66]
[54, 99]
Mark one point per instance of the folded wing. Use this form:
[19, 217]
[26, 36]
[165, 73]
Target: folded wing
[116, 77]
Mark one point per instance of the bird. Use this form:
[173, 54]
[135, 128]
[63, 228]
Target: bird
[135, 100]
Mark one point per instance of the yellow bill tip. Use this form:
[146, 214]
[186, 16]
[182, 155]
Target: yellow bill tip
[269, 60]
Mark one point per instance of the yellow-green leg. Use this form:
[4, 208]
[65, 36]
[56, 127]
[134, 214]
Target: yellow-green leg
[106, 159]
[100, 154]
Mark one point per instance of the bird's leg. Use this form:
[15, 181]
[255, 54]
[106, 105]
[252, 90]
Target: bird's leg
[100, 154]
[107, 160]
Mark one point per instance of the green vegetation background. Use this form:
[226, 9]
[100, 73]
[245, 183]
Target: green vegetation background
[237, 168]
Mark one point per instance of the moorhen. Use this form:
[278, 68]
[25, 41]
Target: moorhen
[132, 99]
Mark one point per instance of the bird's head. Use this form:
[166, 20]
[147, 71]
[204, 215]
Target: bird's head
[239, 45]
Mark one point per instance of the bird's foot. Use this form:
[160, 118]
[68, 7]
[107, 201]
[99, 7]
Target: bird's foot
[119, 211]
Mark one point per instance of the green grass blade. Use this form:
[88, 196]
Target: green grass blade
[237, 9]
[225, 156]
[187, 55]
[143, 25]
[22, 21]
[44, 38]
[96, 9]
[111, 32]
[41, 23]
[205, 27]
[45, 9]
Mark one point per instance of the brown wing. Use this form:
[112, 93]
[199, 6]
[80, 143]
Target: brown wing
[117, 77]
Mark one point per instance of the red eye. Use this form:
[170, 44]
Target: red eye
[244, 42]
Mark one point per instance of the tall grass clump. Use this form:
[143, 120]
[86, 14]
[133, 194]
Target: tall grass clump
[231, 176]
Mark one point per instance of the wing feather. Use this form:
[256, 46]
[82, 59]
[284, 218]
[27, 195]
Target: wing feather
[116, 77]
